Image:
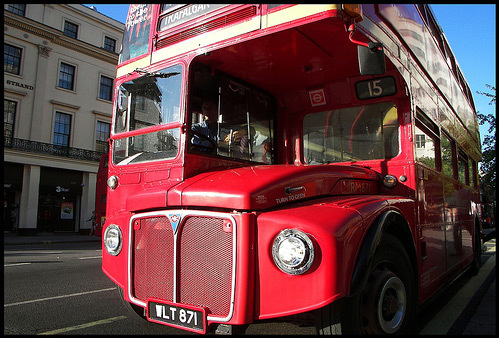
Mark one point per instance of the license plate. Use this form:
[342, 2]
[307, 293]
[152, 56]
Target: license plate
[182, 316]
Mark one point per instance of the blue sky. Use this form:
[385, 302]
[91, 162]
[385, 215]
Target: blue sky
[470, 30]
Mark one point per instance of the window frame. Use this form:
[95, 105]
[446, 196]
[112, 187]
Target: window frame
[110, 87]
[73, 79]
[69, 32]
[16, 9]
[13, 114]
[340, 155]
[106, 38]
[99, 141]
[55, 132]
[19, 65]
[463, 159]
[430, 129]
[452, 143]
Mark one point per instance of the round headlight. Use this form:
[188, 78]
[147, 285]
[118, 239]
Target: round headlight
[112, 239]
[293, 251]
[112, 182]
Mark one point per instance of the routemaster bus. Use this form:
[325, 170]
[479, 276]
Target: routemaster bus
[286, 161]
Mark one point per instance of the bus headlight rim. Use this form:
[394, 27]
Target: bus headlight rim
[112, 182]
[113, 239]
[293, 251]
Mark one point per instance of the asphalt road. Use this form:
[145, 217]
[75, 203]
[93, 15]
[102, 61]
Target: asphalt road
[60, 289]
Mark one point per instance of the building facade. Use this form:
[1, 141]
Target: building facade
[59, 69]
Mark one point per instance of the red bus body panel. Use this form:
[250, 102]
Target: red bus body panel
[261, 187]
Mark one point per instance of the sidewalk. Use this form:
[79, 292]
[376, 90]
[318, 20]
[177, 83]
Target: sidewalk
[48, 238]
[484, 320]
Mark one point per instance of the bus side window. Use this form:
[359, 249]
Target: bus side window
[447, 151]
[462, 168]
[425, 147]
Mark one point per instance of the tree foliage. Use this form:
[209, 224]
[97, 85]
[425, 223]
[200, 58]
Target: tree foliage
[488, 166]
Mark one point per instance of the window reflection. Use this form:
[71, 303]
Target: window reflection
[148, 101]
[351, 134]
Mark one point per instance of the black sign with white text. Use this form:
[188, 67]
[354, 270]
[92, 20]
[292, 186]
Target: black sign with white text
[182, 316]
[375, 88]
[184, 14]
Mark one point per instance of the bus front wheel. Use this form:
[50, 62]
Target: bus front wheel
[385, 305]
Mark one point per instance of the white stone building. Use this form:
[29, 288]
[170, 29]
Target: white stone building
[59, 69]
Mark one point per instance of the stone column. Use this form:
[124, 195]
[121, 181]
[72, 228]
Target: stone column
[87, 199]
[39, 122]
[28, 207]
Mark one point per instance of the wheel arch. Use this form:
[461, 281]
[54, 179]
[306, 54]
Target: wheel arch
[394, 223]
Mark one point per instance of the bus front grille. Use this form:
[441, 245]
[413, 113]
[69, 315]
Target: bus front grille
[193, 265]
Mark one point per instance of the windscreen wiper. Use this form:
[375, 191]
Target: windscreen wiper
[154, 74]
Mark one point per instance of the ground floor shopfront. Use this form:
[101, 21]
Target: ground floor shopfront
[42, 195]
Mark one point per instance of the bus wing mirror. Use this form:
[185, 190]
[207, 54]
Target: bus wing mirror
[371, 59]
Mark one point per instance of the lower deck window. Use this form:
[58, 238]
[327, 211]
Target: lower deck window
[360, 133]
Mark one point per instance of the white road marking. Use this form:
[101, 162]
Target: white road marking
[82, 326]
[16, 264]
[58, 297]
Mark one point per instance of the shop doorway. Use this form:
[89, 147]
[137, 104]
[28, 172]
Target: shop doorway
[59, 200]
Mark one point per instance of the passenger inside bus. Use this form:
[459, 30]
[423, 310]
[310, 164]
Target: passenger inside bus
[229, 118]
[207, 133]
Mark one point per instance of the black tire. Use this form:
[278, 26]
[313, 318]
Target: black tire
[386, 304]
[133, 308]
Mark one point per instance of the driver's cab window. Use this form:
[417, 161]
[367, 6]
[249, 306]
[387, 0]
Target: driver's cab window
[229, 118]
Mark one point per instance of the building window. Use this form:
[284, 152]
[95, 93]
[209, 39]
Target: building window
[425, 153]
[9, 117]
[70, 29]
[102, 135]
[19, 9]
[66, 76]
[62, 128]
[11, 59]
[109, 44]
[106, 88]
[420, 141]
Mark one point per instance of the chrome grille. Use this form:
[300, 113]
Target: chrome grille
[206, 279]
[153, 258]
[201, 273]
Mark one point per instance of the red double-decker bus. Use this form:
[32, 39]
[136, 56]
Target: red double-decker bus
[276, 160]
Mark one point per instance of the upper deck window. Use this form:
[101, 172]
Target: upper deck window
[368, 132]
